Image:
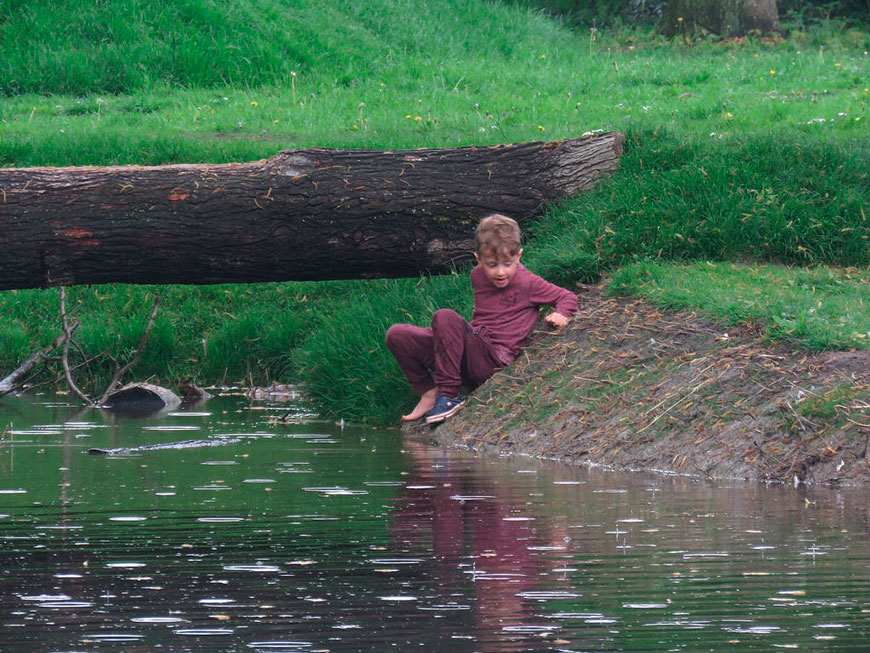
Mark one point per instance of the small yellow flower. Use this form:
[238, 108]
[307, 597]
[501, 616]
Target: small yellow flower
[418, 118]
[679, 19]
[383, 85]
[838, 64]
[275, 122]
[773, 72]
[542, 56]
[408, 116]
[255, 103]
[729, 115]
[541, 128]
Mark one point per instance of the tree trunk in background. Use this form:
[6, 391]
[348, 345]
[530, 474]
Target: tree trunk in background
[722, 17]
[301, 215]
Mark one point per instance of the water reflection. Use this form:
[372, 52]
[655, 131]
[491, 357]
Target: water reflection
[256, 535]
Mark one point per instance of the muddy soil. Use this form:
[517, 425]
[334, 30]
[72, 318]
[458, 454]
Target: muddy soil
[630, 386]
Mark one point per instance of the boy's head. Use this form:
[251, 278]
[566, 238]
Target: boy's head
[497, 241]
[497, 234]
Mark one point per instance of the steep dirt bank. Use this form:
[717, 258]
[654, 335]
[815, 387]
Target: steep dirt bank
[633, 387]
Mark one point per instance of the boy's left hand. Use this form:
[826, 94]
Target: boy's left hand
[557, 320]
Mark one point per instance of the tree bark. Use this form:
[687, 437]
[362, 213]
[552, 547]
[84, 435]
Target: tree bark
[301, 215]
[722, 17]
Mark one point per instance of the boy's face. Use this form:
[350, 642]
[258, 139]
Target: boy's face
[499, 267]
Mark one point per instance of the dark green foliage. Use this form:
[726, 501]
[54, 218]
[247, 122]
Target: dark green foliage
[773, 199]
[812, 11]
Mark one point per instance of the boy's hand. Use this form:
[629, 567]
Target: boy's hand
[557, 320]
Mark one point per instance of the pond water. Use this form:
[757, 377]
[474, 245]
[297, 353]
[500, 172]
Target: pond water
[256, 535]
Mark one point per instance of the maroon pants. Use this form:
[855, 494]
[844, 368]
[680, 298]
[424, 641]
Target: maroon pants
[446, 355]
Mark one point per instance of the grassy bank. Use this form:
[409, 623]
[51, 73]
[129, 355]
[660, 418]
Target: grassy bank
[752, 152]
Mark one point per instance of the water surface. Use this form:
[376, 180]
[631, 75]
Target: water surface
[218, 528]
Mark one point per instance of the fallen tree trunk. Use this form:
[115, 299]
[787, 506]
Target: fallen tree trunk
[300, 215]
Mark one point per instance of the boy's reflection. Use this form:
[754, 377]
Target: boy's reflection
[480, 546]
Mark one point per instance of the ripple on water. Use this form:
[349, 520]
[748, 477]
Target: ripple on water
[127, 518]
[66, 604]
[220, 520]
[752, 630]
[335, 491]
[260, 569]
[204, 632]
[111, 637]
[396, 561]
[157, 620]
[549, 596]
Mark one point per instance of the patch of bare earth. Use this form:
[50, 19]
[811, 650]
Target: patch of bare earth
[630, 386]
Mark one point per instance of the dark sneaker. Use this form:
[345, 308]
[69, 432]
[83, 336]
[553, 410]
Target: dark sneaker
[445, 407]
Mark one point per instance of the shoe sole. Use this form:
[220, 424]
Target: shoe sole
[435, 419]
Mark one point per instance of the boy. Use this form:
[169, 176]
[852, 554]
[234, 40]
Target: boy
[506, 301]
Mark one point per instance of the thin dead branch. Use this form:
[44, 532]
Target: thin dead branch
[14, 380]
[67, 340]
[121, 371]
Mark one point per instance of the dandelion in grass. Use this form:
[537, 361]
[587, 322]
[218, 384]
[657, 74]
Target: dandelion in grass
[254, 103]
[541, 128]
[729, 115]
[772, 71]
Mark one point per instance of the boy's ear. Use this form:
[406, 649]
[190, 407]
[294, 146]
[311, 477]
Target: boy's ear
[476, 257]
[519, 254]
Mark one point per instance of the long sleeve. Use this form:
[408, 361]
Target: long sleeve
[506, 316]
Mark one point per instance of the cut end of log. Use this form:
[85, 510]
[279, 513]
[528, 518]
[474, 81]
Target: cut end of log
[140, 399]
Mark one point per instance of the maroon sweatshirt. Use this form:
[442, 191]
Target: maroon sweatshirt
[506, 316]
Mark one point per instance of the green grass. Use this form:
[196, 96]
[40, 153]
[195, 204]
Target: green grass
[757, 197]
[215, 334]
[821, 308]
[753, 152]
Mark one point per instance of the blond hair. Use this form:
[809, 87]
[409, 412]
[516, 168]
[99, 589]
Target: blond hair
[497, 234]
